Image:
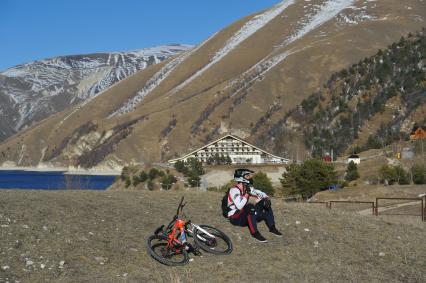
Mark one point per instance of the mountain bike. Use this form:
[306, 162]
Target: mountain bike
[170, 245]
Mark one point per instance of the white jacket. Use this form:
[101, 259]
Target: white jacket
[237, 201]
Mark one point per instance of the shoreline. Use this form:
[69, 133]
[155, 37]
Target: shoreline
[66, 171]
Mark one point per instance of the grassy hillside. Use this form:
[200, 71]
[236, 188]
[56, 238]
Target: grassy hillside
[100, 236]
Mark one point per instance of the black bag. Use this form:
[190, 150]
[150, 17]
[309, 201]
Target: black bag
[225, 207]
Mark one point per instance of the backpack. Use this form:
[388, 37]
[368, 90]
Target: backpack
[225, 207]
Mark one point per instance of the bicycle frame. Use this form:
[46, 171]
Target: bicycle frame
[177, 231]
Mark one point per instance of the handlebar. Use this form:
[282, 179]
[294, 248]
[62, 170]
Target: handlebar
[180, 206]
[178, 211]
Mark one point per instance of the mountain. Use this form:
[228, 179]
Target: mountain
[371, 104]
[242, 80]
[34, 91]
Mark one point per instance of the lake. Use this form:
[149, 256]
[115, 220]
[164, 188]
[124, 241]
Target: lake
[18, 179]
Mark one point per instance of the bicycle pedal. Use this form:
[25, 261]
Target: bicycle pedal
[195, 251]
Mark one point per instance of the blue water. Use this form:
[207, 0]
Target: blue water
[52, 181]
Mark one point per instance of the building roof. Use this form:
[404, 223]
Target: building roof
[224, 137]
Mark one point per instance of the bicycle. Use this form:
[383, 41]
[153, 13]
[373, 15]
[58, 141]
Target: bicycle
[170, 246]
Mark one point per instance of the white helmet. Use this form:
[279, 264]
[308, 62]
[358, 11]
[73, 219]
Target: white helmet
[239, 175]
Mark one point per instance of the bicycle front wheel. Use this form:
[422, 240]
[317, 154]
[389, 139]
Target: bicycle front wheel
[158, 249]
[217, 243]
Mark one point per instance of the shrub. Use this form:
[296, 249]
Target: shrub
[181, 167]
[402, 175]
[195, 166]
[136, 180]
[150, 185]
[193, 179]
[153, 173]
[418, 172]
[167, 181]
[262, 182]
[351, 172]
[124, 173]
[388, 174]
[143, 176]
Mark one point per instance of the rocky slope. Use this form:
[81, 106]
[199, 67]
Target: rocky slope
[244, 77]
[36, 90]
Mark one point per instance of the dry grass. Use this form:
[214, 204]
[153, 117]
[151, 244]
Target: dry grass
[370, 193]
[101, 238]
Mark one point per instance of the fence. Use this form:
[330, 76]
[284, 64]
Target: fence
[421, 200]
[320, 202]
[354, 202]
[375, 205]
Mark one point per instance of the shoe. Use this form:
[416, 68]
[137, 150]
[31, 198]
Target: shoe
[275, 231]
[259, 237]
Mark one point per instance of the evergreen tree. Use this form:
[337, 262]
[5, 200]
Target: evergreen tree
[167, 181]
[418, 172]
[289, 182]
[195, 166]
[193, 179]
[136, 180]
[180, 167]
[308, 178]
[143, 176]
[388, 174]
[402, 175]
[153, 173]
[351, 172]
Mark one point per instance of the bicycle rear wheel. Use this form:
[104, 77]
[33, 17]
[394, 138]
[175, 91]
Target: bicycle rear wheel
[157, 248]
[219, 244]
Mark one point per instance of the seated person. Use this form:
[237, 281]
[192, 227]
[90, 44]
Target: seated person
[243, 213]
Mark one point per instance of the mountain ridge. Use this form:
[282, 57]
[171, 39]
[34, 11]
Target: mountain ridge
[37, 89]
[260, 79]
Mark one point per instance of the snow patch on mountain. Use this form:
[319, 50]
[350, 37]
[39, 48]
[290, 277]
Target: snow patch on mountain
[326, 11]
[38, 89]
[152, 83]
[318, 16]
[253, 74]
[251, 27]
[155, 81]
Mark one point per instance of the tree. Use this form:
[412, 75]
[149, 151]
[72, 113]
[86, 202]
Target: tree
[180, 167]
[418, 172]
[402, 175]
[193, 179]
[153, 173]
[262, 182]
[289, 182]
[136, 180]
[195, 166]
[124, 173]
[143, 176]
[351, 172]
[373, 143]
[388, 174]
[167, 181]
[308, 178]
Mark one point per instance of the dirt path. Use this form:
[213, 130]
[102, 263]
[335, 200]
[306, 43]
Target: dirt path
[389, 207]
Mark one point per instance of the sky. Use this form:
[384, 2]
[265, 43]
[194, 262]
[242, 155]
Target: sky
[37, 29]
